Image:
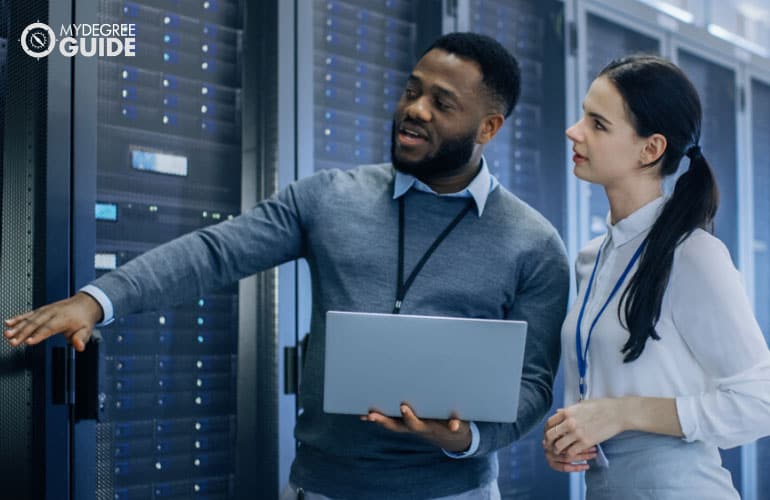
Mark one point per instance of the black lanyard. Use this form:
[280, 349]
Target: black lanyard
[401, 287]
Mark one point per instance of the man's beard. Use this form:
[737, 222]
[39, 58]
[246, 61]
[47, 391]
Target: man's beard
[453, 155]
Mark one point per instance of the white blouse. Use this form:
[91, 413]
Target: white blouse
[711, 355]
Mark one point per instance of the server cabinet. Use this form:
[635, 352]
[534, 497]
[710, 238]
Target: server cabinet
[760, 133]
[522, 155]
[160, 148]
[34, 150]
[19, 374]
[362, 55]
[524, 160]
[168, 162]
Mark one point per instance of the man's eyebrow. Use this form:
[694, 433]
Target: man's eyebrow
[446, 92]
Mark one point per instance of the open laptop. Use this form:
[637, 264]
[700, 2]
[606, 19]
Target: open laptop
[442, 367]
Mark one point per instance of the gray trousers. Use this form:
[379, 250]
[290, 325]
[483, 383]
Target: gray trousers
[487, 492]
[654, 467]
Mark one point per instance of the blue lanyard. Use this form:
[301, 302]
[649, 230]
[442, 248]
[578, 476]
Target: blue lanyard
[582, 356]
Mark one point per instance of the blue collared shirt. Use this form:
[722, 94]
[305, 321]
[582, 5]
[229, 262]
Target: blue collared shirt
[479, 188]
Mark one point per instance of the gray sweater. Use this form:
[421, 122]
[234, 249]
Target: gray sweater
[507, 264]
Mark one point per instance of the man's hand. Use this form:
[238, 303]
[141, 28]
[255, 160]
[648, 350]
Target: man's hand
[453, 435]
[74, 317]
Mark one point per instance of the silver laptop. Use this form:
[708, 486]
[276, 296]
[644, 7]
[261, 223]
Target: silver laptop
[442, 367]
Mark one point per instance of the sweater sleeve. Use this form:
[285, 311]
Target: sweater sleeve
[269, 234]
[712, 313]
[541, 301]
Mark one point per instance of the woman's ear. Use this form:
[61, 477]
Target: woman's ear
[654, 147]
[489, 127]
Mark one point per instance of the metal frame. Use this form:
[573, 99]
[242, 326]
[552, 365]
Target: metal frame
[287, 172]
[258, 418]
[83, 135]
[750, 464]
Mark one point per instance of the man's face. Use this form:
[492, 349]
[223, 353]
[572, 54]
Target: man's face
[438, 116]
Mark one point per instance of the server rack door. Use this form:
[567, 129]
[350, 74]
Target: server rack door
[760, 132]
[523, 158]
[167, 161]
[717, 89]
[22, 150]
[34, 433]
[608, 40]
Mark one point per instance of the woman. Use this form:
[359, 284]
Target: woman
[664, 361]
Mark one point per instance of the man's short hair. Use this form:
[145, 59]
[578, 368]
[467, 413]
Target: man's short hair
[500, 70]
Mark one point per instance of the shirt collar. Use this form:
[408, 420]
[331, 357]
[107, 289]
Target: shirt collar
[478, 189]
[635, 224]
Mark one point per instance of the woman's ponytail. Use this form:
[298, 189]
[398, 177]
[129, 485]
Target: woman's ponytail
[692, 205]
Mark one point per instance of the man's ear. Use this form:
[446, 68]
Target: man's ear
[489, 127]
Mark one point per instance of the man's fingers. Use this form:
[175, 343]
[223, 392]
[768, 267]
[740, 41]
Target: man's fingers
[391, 424]
[80, 338]
[410, 419]
[31, 329]
[454, 424]
[11, 322]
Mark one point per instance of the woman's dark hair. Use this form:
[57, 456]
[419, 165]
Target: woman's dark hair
[500, 70]
[660, 99]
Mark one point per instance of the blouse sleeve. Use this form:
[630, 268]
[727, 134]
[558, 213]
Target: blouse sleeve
[712, 313]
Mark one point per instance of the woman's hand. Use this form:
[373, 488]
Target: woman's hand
[453, 435]
[563, 463]
[574, 430]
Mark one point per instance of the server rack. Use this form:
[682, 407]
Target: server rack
[362, 54]
[522, 156]
[166, 149]
[524, 160]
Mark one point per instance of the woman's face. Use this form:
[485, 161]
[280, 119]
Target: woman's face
[607, 149]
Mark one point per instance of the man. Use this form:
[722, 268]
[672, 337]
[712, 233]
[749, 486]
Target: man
[364, 233]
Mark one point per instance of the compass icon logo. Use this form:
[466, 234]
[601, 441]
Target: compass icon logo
[38, 40]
